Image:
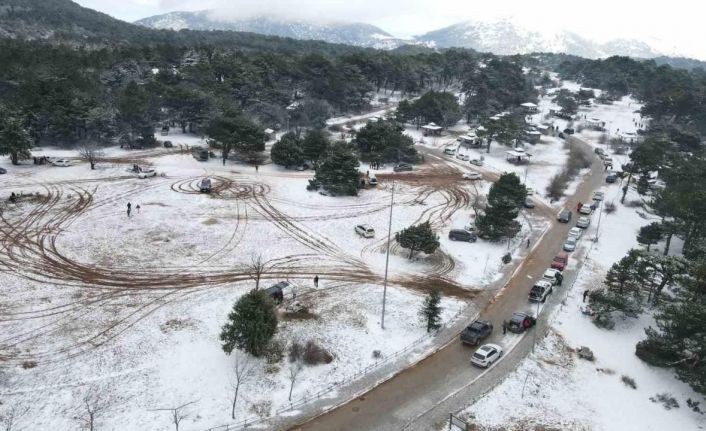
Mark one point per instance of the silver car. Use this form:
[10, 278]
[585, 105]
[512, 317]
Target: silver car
[583, 222]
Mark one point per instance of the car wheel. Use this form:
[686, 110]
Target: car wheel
[452, 238]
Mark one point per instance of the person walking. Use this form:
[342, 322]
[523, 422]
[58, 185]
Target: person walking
[256, 167]
[316, 281]
[504, 327]
[129, 209]
[559, 278]
[528, 241]
[138, 208]
[585, 294]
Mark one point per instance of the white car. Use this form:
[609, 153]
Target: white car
[585, 209]
[477, 162]
[598, 196]
[464, 157]
[569, 244]
[486, 355]
[472, 176]
[146, 173]
[450, 151]
[583, 222]
[576, 232]
[61, 162]
[550, 275]
[365, 230]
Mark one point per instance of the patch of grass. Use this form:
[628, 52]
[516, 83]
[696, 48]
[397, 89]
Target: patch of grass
[666, 399]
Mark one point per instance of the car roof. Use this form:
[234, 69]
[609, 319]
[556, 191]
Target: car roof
[562, 254]
[551, 272]
[365, 226]
[543, 283]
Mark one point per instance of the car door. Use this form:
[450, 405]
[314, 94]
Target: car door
[492, 356]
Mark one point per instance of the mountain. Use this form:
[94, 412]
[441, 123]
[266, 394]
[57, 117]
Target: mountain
[356, 34]
[505, 37]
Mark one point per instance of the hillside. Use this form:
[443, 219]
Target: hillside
[356, 34]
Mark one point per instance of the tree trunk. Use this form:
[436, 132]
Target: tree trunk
[235, 398]
[411, 252]
[14, 158]
[668, 243]
[625, 190]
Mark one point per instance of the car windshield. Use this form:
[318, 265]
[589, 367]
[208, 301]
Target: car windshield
[479, 355]
[476, 327]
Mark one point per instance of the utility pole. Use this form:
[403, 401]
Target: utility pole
[387, 257]
[598, 226]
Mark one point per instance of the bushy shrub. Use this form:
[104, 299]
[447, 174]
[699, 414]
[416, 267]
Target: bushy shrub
[315, 354]
[274, 353]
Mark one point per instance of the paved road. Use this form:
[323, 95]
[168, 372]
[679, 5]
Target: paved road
[421, 390]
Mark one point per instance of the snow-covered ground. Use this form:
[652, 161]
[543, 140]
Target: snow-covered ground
[128, 310]
[553, 388]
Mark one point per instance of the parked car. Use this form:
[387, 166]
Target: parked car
[475, 332]
[146, 173]
[569, 244]
[576, 233]
[477, 162]
[373, 181]
[598, 196]
[583, 222]
[3, 171]
[564, 215]
[205, 185]
[464, 157]
[529, 203]
[530, 191]
[168, 144]
[462, 235]
[611, 178]
[520, 322]
[599, 151]
[586, 209]
[540, 291]
[472, 176]
[554, 276]
[365, 230]
[277, 291]
[560, 261]
[302, 167]
[561, 135]
[450, 151]
[569, 131]
[61, 163]
[486, 355]
[402, 167]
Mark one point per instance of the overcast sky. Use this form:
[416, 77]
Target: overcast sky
[674, 25]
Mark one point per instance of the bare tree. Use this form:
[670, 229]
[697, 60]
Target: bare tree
[478, 202]
[93, 405]
[257, 267]
[243, 370]
[294, 369]
[91, 154]
[11, 416]
[177, 414]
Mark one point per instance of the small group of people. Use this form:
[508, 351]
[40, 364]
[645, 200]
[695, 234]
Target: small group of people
[374, 165]
[129, 208]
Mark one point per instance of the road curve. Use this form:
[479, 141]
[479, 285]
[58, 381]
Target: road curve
[422, 389]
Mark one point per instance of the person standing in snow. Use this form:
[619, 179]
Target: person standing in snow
[504, 327]
[585, 294]
[316, 281]
[129, 208]
[138, 208]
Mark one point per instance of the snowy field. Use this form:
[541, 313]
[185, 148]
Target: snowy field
[127, 311]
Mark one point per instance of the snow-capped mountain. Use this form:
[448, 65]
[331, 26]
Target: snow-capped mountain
[507, 37]
[356, 34]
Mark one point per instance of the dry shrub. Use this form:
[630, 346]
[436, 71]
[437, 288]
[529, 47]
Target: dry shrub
[315, 354]
[629, 381]
[609, 207]
[296, 351]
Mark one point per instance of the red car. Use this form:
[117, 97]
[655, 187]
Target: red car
[560, 261]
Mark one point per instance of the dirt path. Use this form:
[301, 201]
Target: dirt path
[419, 397]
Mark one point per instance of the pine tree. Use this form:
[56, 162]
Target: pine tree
[251, 324]
[287, 151]
[420, 237]
[431, 310]
[314, 145]
[650, 234]
[679, 340]
[623, 293]
[643, 185]
[337, 172]
[504, 198]
[14, 140]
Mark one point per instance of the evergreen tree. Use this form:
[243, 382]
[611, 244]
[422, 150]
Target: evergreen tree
[624, 283]
[251, 324]
[337, 172]
[504, 199]
[14, 140]
[650, 234]
[419, 237]
[234, 131]
[287, 151]
[314, 145]
[567, 101]
[431, 310]
[679, 341]
[384, 141]
[643, 185]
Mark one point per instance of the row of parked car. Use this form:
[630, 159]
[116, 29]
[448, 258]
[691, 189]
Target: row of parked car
[464, 157]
